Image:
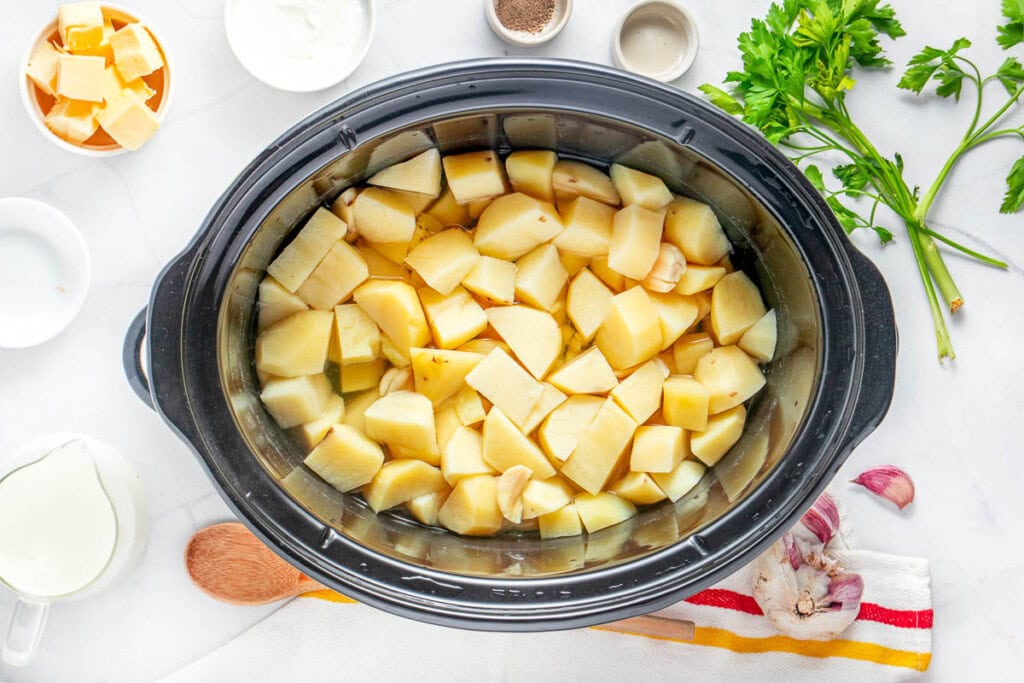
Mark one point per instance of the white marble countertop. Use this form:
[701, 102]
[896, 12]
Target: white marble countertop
[956, 429]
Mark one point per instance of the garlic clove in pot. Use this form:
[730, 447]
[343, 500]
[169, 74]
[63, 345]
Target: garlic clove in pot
[667, 269]
[889, 482]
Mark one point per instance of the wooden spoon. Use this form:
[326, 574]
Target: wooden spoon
[228, 563]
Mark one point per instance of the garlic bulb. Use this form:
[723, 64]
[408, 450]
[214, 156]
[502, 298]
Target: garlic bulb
[889, 482]
[802, 591]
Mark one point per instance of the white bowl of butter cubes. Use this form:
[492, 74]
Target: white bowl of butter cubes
[95, 80]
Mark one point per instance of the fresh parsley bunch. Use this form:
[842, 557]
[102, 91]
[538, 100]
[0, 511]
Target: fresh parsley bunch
[797, 66]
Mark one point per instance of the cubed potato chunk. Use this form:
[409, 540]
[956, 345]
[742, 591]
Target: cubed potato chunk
[631, 331]
[515, 225]
[559, 523]
[392, 354]
[614, 280]
[399, 481]
[504, 383]
[572, 263]
[493, 279]
[642, 189]
[563, 428]
[540, 277]
[276, 303]
[472, 508]
[344, 208]
[379, 266]
[542, 496]
[383, 216]
[448, 212]
[735, 306]
[689, 349]
[421, 174]
[420, 203]
[361, 376]
[295, 263]
[635, 241]
[295, 346]
[333, 280]
[426, 507]
[396, 309]
[313, 432]
[474, 175]
[484, 346]
[677, 314]
[681, 480]
[601, 447]
[533, 336]
[444, 259]
[440, 373]
[601, 510]
[446, 421]
[356, 336]
[587, 303]
[587, 373]
[574, 178]
[588, 228]
[346, 459]
[504, 446]
[463, 456]
[405, 419]
[759, 339]
[550, 398]
[355, 408]
[694, 228]
[686, 403]
[454, 319]
[724, 430]
[638, 488]
[657, 448]
[730, 375]
[469, 406]
[292, 401]
[640, 393]
[530, 172]
[699, 278]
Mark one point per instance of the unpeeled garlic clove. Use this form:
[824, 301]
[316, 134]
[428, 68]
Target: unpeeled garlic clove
[667, 270]
[889, 482]
[823, 518]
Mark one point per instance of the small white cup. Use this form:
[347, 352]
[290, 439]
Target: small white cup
[657, 39]
[560, 17]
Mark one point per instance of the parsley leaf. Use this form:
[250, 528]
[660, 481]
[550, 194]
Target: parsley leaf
[1011, 74]
[1012, 32]
[722, 99]
[939, 64]
[1014, 198]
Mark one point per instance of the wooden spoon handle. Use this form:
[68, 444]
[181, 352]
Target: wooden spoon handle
[657, 627]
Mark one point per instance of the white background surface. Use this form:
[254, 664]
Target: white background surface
[957, 430]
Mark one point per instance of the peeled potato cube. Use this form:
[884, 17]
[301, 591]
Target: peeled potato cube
[631, 331]
[515, 225]
[344, 208]
[446, 421]
[689, 349]
[533, 336]
[574, 178]
[405, 419]
[356, 336]
[562, 429]
[346, 458]
[735, 306]
[448, 212]
[444, 259]
[295, 346]
[420, 203]
[760, 338]
[542, 496]
[550, 398]
[504, 383]
[383, 216]
[657, 448]
[699, 278]
[474, 175]
[638, 488]
[540, 277]
[454, 319]
[294, 400]
[425, 508]
[685, 403]
[440, 373]
[295, 263]
[355, 408]
[463, 456]
[724, 430]
[677, 314]
[588, 228]
[694, 228]
[334, 279]
[681, 480]
[601, 510]
[399, 481]
[361, 376]
[601, 447]
[276, 303]
[637, 187]
[472, 507]
[635, 241]
[530, 172]
[421, 174]
[587, 303]
[640, 393]
[504, 446]
[559, 523]
[396, 309]
[380, 266]
[468, 406]
[730, 375]
[493, 279]
[573, 263]
[313, 432]
[587, 373]
[614, 280]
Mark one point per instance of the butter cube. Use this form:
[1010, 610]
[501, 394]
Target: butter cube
[72, 120]
[135, 52]
[129, 121]
[80, 77]
[114, 86]
[80, 25]
[42, 68]
[103, 48]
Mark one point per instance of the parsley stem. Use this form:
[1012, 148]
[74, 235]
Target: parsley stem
[966, 250]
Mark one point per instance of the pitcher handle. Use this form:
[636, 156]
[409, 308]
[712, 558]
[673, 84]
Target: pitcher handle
[26, 628]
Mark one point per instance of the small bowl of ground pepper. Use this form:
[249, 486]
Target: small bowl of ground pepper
[528, 22]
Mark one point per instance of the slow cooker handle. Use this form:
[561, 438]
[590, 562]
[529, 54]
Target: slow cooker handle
[131, 357]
